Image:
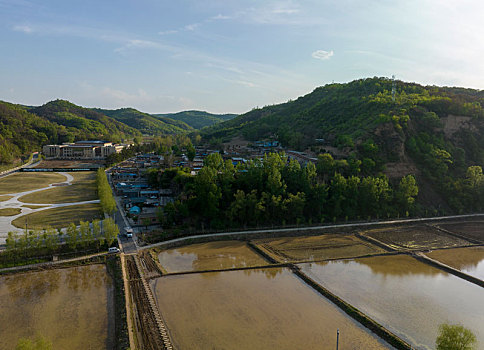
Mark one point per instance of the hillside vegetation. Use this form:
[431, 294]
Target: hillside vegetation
[198, 119]
[25, 129]
[83, 123]
[146, 123]
[432, 132]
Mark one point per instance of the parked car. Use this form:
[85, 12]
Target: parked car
[113, 250]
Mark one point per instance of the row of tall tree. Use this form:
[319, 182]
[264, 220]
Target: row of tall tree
[47, 241]
[105, 192]
[279, 191]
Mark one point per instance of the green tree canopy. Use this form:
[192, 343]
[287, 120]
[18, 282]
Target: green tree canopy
[455, 337]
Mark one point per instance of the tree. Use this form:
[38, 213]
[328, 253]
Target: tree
[72, 235]
[455, 337]
[111, 230]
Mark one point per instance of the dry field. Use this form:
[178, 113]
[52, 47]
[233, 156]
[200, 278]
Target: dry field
[10, 211]
[21, 182]
[470, 229]
[209, 256]
[83, 188]
[59, 217]
[316, 248]
[415, 237]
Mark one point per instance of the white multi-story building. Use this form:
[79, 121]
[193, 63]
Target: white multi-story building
[81, 150]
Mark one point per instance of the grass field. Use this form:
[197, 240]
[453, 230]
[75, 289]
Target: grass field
[20, 182]
[59, 217]
[4, 198]
[314, 248]
[83, 188]
[415, 237]
[10, 211]
[33, 206]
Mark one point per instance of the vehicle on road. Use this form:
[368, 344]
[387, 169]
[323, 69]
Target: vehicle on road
[129, 231]
[113, 250]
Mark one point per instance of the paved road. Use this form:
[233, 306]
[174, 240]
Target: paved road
[312, 228]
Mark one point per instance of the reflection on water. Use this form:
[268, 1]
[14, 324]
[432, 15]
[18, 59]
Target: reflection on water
[468, 260]
[256, 309]
[404, 295]
[209, 256]
[67, 306]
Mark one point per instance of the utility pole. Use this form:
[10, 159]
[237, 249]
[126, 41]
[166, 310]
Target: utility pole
[337, 339]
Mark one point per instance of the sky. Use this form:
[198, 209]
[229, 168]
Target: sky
[228, 56]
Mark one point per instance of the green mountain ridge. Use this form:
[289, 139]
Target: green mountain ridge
[146, 123]
[198, 119]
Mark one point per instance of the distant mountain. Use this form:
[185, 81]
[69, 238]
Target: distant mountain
[83, 123]
[198, 119]
[146, 123]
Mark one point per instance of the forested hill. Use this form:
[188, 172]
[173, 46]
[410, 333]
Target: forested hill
[83, 123]
[436, 133]
[198, 119]
[146, 123]
[25, 129]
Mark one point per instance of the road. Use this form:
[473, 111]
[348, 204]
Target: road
[311, 228]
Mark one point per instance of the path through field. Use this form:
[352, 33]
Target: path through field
[6, 221]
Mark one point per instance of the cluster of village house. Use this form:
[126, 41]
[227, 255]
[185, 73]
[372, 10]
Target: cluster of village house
[140, 201]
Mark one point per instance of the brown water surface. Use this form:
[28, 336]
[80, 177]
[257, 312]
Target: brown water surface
[253, 309]
[406, 296]
[468, 260]
[69, 307]
[210, 256]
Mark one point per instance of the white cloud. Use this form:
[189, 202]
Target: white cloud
[138, 44]
[192, 26]
[23, 29]
[167, 32]
[322, 55]
[220, 16]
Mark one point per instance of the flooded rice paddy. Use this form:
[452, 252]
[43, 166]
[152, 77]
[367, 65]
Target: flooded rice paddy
[210, 256]
[313, 248]
[406, 296]
[72, 307]
[415, 238]
[253, 309]
[468, 260]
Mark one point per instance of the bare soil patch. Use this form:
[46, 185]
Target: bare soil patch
[473, 229]
[316, 248]
[415, 237]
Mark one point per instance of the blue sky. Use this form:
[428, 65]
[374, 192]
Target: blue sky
[228, 56]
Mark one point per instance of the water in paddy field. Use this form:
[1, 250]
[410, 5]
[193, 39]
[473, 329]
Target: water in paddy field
[209, 256]
[72, 307]
[468, 260]
[254, 309]
[406, 296]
